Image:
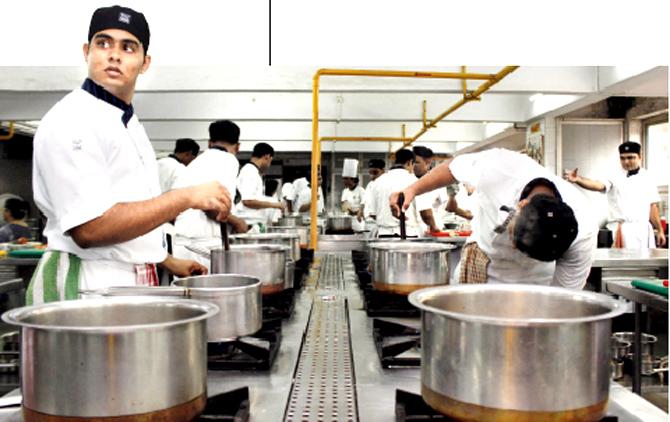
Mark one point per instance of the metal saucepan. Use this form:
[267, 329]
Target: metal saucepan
[515, 352]
[130, 359]
[404, 266]
[301, 231]
[290, 220]
[266, 262]
[238, 297]
[339, 223]
[647, 341]
[292, 240]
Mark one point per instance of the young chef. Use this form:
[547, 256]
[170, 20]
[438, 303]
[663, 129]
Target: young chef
[95, 175]
[531, 226]
[185, 151]
[632, 196]
[250, 186]
[375, 169]
[352, 194]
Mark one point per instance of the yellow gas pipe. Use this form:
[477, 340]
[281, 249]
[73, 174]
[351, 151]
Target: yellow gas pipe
[10, 133]
[316, 141]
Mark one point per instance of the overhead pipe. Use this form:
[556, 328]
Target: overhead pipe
[10, 133]
[490, 80]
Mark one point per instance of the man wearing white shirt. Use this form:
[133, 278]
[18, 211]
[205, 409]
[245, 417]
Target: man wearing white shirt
[250, 186]
[375, 169]
[632, 196]
[271, 215]
[352, 201]
[423, 160]
[531, 226]
[303, 197]
[219, 164]
[185, 151]
[95, 175]
[398, 177]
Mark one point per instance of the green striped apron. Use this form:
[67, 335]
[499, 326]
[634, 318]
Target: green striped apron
[55, 278]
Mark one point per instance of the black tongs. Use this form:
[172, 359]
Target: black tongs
[403, 229]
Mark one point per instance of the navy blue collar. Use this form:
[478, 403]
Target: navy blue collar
[102, 94]
[633, 172]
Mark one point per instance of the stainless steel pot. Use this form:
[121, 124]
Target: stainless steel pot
[140, 358]
[238, 297]
[339, 223]
[403, 266]
[301, 231]
[289, 274]
[515, 352]
[264, 262]
[647, 342]
[292, 240]
[620, 348]
[290, 220]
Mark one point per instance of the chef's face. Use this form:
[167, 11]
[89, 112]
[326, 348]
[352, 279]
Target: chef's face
[265, 162]
[375, 173]
[630, 161]
[348, 182]
[115, 59]
[421, 166]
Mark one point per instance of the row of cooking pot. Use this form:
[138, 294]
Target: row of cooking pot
[489, 352]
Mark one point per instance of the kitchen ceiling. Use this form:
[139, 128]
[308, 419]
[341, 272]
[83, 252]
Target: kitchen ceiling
[274, 104]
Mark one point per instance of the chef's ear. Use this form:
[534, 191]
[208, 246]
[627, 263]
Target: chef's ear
[145, 65]
[85, 50]
[522, 204]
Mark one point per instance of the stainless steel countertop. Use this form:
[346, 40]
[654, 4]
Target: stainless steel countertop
[630, 258]
[625, 289]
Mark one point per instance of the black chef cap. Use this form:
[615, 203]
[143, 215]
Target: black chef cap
[629, 147]
[537, 182]
[423, 152]
[376, 163]
[118, 17]
[545, 228]
[224, 130]
[187, 145]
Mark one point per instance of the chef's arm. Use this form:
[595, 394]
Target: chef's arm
[255, 204]
[182, 267]
[125, 221]
[438, 177]
[572, 269]
[586, 183]
[656, 222]
[304, 207]
[427, 217]
[452, 206]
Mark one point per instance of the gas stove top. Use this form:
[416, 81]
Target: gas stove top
[257, 352]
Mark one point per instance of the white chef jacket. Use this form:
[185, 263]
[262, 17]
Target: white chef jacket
[438, 201]
[355, 200]
[304, 196]
[287, 191]
[250, 185]
[353, 197]
[193, 226]
[270, 215]
[396, 180]
[499, 176]
[367, 197]
[168, 170]
[85, 161]
[629, 201]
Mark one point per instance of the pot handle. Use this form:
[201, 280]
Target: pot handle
[199, 250]
[137, 291]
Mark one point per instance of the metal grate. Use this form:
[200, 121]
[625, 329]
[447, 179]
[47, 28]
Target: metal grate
[323, 389]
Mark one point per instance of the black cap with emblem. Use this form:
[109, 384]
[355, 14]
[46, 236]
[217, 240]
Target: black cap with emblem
[545, 228]
[630, 148]
[119, 17]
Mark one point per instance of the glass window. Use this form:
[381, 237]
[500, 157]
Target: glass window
[658, 152]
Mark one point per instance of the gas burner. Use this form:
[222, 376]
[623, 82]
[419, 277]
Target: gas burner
[279, 305]
[397, 345]
[254, 352]
[411, 407]
[383, 304]
[231, 406]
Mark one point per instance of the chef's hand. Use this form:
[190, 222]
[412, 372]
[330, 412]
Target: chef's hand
[571, 175]
[393, 201]
[211, 196]
[660, 239]
[183, 267]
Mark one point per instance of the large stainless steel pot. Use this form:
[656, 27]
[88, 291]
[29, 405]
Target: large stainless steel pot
[403, 266]
[339, 223]
[131, 359]
[264, 262]
[292, 240]
[290, 220]
[515, 352]
[238, 297]
[301, 231]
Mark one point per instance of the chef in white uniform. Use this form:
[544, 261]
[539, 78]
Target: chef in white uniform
[218, 163]
[632, 196]
[423, 162]
[303, 197]
[185, 151]
[352, 194]
[375, 169]
[250, 185]
[531, 226]
[398, 177]
[95, 176]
